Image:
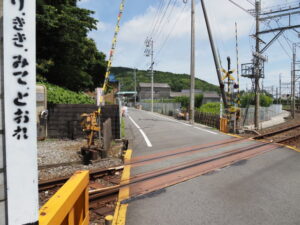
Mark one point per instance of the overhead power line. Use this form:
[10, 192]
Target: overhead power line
[167, 20]
[161, 19]
[178, 17]
[156, 16]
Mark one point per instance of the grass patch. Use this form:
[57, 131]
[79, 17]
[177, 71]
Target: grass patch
[59, 95]
[122, 127]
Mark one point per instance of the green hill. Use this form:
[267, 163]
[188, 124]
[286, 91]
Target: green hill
[176, 81]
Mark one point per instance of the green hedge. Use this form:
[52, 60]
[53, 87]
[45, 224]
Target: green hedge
[59, 95]
[211, 107]
[185, 101]
[249, 99]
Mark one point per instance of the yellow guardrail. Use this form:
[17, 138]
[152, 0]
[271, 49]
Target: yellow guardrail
[224, 125]
[70, 204]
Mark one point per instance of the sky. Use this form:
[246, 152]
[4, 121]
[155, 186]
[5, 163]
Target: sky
[169, 27]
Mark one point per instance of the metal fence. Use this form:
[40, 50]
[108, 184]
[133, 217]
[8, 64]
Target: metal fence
[209, 119]
[266, 113]
[162, 108]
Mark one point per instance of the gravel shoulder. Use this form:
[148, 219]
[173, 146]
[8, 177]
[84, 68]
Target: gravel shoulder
[59, 157]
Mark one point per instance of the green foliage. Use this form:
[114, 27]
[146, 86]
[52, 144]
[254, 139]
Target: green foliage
[177, 82]
[122, 127]
[198, 100]
[249, 99]
[65, 54]
[211, 107]
[185, 101]
[58, 95]
[265, 100]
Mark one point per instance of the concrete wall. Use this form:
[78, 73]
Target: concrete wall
[2, 171]
[64, 119]
[163, 108]
[266, 113]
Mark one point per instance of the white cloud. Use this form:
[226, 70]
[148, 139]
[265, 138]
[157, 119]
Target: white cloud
[175, 56]
[101, 26]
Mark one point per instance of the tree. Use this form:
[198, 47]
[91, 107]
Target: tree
[65, 54]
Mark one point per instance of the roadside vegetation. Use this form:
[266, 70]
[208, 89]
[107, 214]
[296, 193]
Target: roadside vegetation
[185, 101]
[211, 107]
[249, 99]
[59, 95]
[123, 128]
[66, 56]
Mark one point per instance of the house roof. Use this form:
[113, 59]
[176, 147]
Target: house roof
[160, 85]
[197, 91]
[179, 94]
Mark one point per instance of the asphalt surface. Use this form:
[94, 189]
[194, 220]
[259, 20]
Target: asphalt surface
[261, 190]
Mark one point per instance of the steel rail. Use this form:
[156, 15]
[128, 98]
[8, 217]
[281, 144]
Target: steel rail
[183, 151]
[159, 183]
[276, 132]
[288, 138]
[57, 182]
[111, 192]
[186, 165]
[189, 164]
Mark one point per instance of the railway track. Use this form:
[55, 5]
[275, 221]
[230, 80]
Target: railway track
[94, 174]
[283, 135]
[103, 199]
[144, 183]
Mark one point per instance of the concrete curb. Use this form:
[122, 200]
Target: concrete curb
[121, 209]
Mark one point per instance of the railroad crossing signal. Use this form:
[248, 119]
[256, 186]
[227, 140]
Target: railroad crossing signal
[228, 74]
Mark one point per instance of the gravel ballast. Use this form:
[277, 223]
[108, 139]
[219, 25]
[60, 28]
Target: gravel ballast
[53, 152]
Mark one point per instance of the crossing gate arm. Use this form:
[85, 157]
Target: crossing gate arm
[70, 204]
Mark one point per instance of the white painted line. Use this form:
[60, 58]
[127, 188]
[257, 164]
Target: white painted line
[142, 132]
[173, 120]
[205, 130]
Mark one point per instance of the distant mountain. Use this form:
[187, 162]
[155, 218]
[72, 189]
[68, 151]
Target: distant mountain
[177, 82]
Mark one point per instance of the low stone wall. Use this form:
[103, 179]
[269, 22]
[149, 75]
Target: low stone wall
[64, 119]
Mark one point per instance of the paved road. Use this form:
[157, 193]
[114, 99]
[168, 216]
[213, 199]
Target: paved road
[262, 190]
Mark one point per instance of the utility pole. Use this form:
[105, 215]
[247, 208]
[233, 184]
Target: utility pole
[299, 92]
[280, 88]
[150, 52]
[214, 52]
[293, 82]
[192, 91]
[257, 64]
[237, 63]
[135, 87]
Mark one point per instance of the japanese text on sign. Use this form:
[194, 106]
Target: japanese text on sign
[19, 66]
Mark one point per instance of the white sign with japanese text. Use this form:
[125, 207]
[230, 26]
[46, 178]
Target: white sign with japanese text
[20, 111]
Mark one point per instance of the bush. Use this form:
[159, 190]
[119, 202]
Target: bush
[185, 101]
[59, 95]
[211, 107]
[249, 99]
